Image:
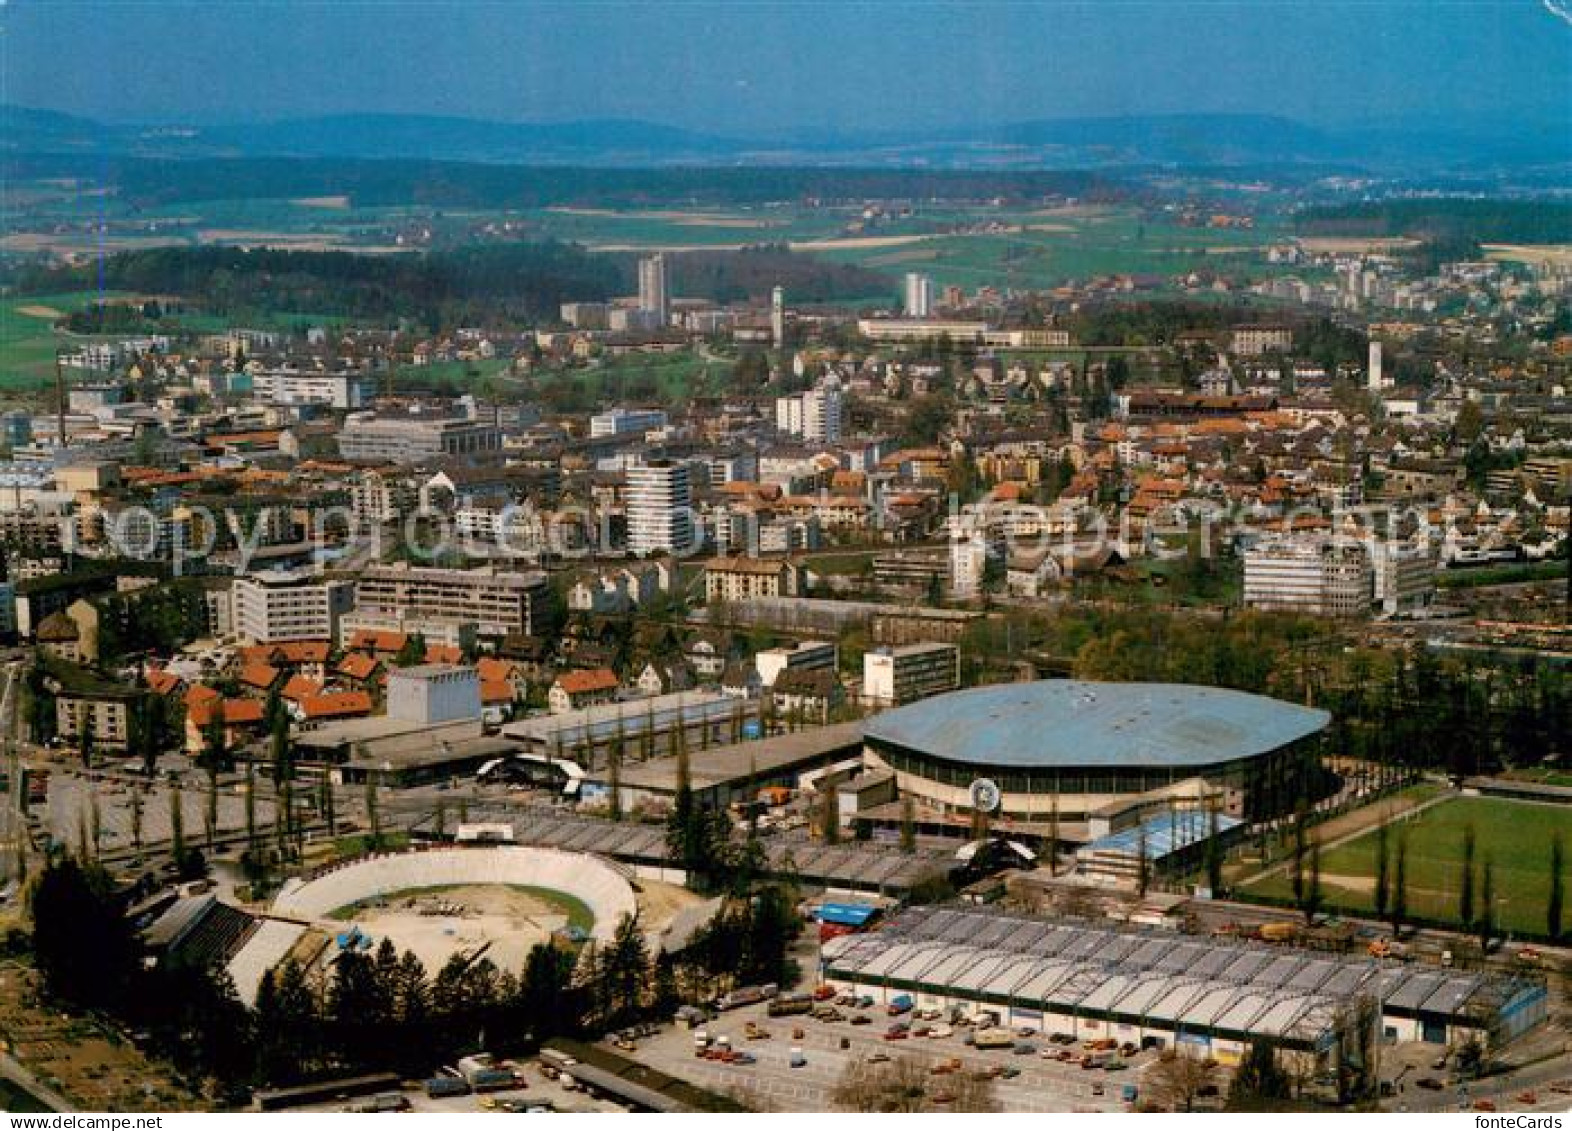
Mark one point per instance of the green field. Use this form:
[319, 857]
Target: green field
[967, 247]
[28, 337]
[1515, 835]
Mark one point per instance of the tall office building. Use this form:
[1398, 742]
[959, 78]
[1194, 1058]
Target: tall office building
[919, 295]
[653, 296]
[660, 508]
[1375, 378]
[778, 316]
[816, 415]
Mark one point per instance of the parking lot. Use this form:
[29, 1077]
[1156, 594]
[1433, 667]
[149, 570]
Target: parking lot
[773, 1084]
[538, 1091]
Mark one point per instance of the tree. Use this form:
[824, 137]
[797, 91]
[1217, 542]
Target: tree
[1259, 1082]
[210, 807]
[625, 972]
[215, 740]
[829, 812]
[1553, 910]
[328, 804]
[82, 943]
[1143, 862]
[411, 652]
[85, 733]
[905, 1085]
[1383, 877]
[546, 996]
[1400, 884]
[373, 814]
[908, 824]
[1465, 879]
[1312, 902]
[614, 773]
[1487, 903]
[279, 749]
[136, 817]
[177, 828]
[1214, 852]
[1178, 1078]
[1300, 845]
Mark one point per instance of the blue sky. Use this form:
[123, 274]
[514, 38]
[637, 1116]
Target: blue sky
[754, 66]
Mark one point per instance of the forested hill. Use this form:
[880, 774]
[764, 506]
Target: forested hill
[1444, 219]
[527, 280]
[451, 184]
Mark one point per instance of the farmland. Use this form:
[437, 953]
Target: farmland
[1515, 836]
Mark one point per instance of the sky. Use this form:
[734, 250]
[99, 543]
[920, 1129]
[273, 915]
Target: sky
[750, 66]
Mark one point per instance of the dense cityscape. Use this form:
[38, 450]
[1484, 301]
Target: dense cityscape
[503, 618]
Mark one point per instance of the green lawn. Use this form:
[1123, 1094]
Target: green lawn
[1515, 836]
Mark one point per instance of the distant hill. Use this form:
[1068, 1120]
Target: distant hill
[1173, 140]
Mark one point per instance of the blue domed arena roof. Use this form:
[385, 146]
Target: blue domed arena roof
[1072, 723]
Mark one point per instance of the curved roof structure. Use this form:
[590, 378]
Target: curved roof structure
[1076, 723]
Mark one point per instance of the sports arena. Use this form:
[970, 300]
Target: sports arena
[493, 901]
[1072, 748]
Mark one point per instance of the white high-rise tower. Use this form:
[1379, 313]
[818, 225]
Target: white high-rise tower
[660, 508]
[1375, 380]
[919, 295]
[778, 316]
[653, 296]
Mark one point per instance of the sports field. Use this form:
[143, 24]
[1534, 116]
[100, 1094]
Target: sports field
[1514, 835]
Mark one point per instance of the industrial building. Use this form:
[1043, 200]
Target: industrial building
[410, 439]
[1092, 981]
[643, 728]
[1071, 747]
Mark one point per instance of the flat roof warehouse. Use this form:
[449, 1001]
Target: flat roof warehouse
[1086, 978]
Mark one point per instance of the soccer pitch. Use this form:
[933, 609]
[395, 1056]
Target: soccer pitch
[1514, 835]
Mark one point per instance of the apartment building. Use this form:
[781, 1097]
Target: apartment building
[280, 605]
[660, 508]
[805, 655]
[1253, 341]
[496, 602]
[1317, 576]
[892, 676]
[411, 439]
[105, 713]
[740, 579]
[817, 415]
[626, 422]
[346, 391]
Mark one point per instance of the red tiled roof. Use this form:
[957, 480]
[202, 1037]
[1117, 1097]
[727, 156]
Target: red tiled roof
[444, 654]
[302, 652]
[259, 675]
[358, 665]
[298, 687]
[336, 704]
[377, 640]
[161, 682]
[491, 669]
[496, 691]
[237, 712]
[586, 680]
